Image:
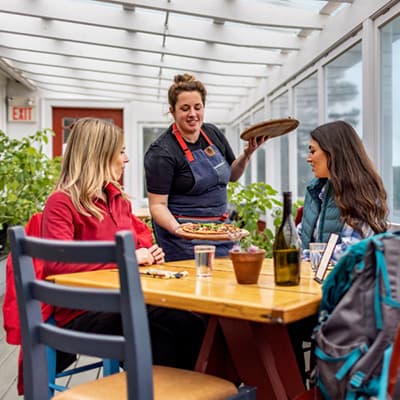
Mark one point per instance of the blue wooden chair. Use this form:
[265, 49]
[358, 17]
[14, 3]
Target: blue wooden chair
[33, 228]
[140, 380]
[109, 367]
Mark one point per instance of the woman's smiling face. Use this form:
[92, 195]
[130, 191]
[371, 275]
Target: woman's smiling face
[318, 160]
[188, 112]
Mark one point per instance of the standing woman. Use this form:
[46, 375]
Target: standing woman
[347, 195]
[188, 168]
[90, 204]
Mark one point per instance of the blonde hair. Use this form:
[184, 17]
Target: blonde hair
[185, 83]
[92, 146]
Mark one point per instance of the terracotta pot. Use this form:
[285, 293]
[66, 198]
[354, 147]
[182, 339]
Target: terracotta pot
[247, 266]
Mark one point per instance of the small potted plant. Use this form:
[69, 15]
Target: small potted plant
[247, 260]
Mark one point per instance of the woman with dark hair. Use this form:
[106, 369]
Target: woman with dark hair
[347, 195]
[188, 168]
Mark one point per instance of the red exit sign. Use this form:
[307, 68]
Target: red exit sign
[21, 109]
[22, 113]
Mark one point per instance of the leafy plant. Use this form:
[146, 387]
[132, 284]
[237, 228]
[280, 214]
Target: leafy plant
[27, 176]
[251, 203]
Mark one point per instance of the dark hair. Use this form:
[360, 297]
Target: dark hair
[358, 189]
[185, 83]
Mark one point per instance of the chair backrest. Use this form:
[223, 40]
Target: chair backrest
[133, 347]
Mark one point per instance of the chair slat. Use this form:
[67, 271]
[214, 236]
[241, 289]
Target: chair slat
[91, 344]
[76, 298]
[90, 252]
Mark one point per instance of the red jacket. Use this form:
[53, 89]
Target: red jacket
[58, 212]
[62, 221]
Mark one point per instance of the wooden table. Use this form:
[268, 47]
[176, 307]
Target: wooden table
[246, 339]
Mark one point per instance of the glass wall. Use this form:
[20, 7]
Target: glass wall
[344, 88]
[390, 114]
[150, 134]
[247, 174]
[306, 111]
[258, 116]
[280, 109]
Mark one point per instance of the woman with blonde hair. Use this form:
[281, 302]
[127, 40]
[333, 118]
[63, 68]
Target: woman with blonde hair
[89, 204]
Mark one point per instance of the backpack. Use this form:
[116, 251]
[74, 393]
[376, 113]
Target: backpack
[358, 319]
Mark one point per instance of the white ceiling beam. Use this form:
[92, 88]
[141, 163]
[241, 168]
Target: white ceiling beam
[113, 17]
[56, 30]
[11, 73]
[330, 7]
[95, 52]
[72, 79]
[250, 12]
[26, 59]
[223, 103]
[350, 20]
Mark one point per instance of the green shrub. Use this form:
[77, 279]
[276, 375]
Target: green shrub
[27, 176]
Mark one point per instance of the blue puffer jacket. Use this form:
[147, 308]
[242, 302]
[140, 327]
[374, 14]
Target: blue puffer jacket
[330, 220]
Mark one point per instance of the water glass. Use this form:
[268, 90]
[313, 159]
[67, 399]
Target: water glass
[316, 251]
[204, 259]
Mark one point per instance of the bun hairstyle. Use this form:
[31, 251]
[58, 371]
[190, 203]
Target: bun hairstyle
[185, 83]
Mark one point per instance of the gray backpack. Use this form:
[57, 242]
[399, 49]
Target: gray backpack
[358, 320]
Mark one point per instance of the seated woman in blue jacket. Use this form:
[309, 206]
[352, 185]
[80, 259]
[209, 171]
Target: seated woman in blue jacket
[347, 195]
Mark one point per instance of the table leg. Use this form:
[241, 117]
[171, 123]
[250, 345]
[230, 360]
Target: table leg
[261, 355]
[273, 341]
[214, 357]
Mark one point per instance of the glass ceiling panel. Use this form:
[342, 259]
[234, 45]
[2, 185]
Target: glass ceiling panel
[316, 5]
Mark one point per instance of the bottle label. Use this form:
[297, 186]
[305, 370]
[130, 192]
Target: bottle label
[287, 266]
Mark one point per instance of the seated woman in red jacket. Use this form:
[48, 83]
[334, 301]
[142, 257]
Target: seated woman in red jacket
[89, 204]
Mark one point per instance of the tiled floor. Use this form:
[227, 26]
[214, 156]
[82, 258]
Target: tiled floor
[8, 368]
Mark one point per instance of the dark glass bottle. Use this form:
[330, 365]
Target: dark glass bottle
[286, 249]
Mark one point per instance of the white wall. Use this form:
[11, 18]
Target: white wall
[3, 115]
[20, 129]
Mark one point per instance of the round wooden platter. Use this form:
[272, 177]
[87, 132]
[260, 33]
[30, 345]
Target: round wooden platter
[271, 128]
[210, 236]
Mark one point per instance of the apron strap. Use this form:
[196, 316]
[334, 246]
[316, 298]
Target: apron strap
[183, 145]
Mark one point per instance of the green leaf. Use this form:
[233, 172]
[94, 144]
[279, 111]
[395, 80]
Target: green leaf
[27, 176]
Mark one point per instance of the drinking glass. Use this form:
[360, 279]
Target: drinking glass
[316, 251]
[204, 259]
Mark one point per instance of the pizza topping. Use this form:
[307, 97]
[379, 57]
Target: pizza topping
[210, 228]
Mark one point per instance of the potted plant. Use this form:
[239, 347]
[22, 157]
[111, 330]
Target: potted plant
[247, 261]
[250, 204]
[27, 176]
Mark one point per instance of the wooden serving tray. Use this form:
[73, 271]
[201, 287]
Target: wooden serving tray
[271, 128]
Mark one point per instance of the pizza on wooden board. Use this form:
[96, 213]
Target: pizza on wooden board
[210, 228]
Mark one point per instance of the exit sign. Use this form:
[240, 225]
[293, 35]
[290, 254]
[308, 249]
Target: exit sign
[21, 109]
[21, 114]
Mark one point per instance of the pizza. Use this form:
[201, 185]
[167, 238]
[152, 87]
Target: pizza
[211, 229]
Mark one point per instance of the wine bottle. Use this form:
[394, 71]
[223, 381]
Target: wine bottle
[286, 249]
